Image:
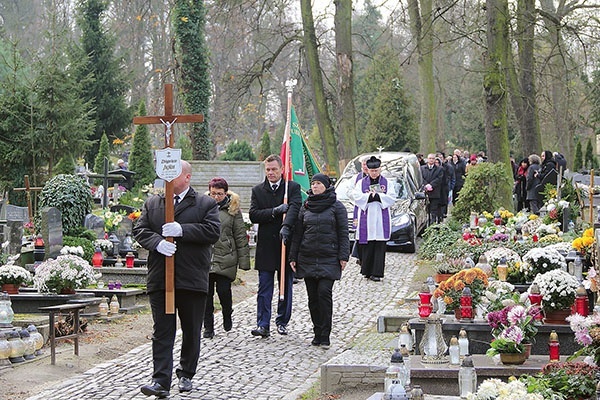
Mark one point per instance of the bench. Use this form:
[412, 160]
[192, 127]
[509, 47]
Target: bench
[59, 309]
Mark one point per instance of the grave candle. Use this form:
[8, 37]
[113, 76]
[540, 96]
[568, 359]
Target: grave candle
[536, 298]
[554, 347]
[463, 343]
[454, 351]
[466, 305]
[425, 306]
[582, 302]
[97, 258]
[129, 260]
[502, 270]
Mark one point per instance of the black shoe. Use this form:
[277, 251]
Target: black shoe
[208, 334]
[260, 331]
[155, 389]
[375, 279]
[227, 323]
[185, 384]
[316, 341]
[325, 344]
[282, 330]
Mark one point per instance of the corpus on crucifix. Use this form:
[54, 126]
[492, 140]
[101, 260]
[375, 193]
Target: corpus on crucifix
[168, 166]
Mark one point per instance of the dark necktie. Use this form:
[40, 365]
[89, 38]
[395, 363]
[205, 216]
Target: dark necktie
[274, 187]
[177, 198]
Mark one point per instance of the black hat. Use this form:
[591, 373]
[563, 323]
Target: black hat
[373, 162]
[324, 179]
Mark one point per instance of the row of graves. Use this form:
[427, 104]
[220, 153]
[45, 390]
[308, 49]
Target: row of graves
[47, 284]
[511, 311]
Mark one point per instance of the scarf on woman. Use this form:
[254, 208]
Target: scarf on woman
[320, 202]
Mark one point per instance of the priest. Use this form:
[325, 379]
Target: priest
[373, 196]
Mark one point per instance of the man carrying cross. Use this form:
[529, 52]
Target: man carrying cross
[195, 229]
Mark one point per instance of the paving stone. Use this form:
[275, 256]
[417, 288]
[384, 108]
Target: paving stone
[236, 365]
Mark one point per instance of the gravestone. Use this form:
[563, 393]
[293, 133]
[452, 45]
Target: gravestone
[125, 227]
[52, 231]
[16, 213]
[95, 223]
[13, 231]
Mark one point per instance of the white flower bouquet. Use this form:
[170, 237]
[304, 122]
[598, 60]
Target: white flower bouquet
[498, 390]
[494, 256]
[14, 274]
[64, 272]
[548, 229]
[540, 260]
[103, 244]
[561, 247]
[75, 250]
[558, 289]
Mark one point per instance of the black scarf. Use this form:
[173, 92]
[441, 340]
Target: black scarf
[224, 204]
[320, 202]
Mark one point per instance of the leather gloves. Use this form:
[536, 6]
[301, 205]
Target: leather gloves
[166, 248]
[280, 210]
[172, 229]
[285, 234]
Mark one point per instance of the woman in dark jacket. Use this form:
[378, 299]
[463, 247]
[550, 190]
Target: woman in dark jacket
[229, 252]
[535, 201]
[521, 185]
[319, 252]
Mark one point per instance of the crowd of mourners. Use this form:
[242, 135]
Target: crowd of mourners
[444, 177]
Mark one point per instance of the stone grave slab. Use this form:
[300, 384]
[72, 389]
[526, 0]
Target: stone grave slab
[127, 297]
[95, 223]
[13, 232]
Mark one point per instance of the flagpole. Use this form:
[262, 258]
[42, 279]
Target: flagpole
[289, 84]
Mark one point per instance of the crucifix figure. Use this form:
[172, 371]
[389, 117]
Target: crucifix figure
[28, 189]
[168, 119]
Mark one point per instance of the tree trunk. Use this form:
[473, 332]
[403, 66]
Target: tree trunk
[559, 76]
[494, 83]
[348, 146]
[319, 100]
[422, 31]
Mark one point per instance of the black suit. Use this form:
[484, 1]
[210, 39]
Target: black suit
[268, 247]
[434, 176]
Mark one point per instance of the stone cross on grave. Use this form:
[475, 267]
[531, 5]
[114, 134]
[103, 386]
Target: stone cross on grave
[28, 189]
[168, 120]
[105, 176]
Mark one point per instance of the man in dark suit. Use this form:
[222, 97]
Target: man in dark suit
[267, 209]
[432, 182]
[195, 229]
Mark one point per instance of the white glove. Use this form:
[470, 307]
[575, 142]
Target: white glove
[172, 229]
[166, 248]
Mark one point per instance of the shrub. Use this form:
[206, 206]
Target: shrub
[480, 191]
[71, 195]
[436, 238]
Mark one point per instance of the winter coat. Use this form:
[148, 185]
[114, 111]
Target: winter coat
[199, 218]
[262, 202]
[532, 181]
[459, 173]
[434, 177]
[321, 237]
[232, 248]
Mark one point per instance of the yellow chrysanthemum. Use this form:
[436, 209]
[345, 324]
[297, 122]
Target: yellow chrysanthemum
[588, 233]
[532, 217]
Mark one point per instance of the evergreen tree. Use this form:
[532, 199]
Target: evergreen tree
[189, 18]
[391, 123]
[110, 84]
[141, 160]
[578, 160]
[184, 143]
[65, 165]
[64, 120]
[590, 159]
[265, 146]
[239, 151]
[103, 151]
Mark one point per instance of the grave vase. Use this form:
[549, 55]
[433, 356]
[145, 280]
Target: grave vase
[10, 288]
[557, 316]
[513, 358]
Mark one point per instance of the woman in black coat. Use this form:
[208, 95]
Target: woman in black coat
[521, 185]
[320, 251]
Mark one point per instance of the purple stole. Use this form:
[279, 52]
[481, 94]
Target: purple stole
[359, 176]
[385, 214]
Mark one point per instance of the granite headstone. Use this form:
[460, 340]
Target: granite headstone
[95, 223]
[52, 231]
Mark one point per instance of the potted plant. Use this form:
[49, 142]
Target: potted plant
[12, 277]
[498, 390]
[587, 334]
[564, 380]
[448, 267]
[585, 245]
[510, 256]
[63, 274]
[540, 260]
[558, 289]
[451, 289]
[514, 329]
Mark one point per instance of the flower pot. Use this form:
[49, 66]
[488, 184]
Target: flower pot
[441, 277]
[10, 288]
[557, 317]
[67, 291]
[527, 351]
[513, 358]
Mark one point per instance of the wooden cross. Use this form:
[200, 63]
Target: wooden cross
[168, 120]
[28, 189]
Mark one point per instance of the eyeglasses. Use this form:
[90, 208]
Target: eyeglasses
[215, 194]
